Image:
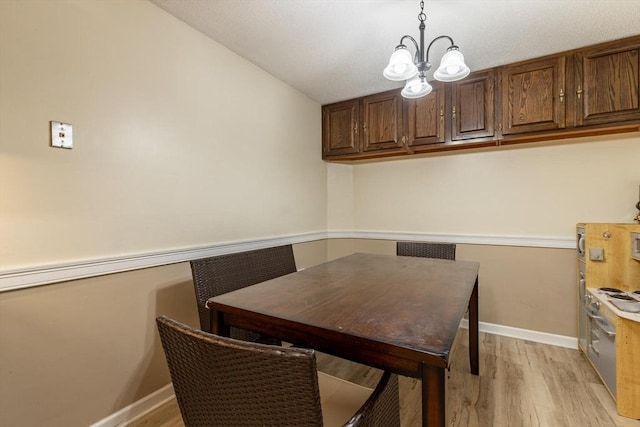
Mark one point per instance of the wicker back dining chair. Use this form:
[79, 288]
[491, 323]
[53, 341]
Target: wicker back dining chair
[226, 383]
[225, 273]
[427, 250]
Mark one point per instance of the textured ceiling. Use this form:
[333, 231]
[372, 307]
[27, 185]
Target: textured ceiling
[333, 50]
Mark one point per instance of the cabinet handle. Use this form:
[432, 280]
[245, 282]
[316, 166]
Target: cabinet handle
[561, 96]
[442, 113]
[453, 111]
[579, 92]
[355, 128]
[364, 126]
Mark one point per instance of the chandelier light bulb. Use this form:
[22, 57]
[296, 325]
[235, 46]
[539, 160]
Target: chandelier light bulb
[416, 88]
[401, 66]
[452, 69]
[452, 66]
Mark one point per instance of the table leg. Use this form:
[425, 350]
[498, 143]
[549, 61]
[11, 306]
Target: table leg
[217, 324]
[433, 398]
[474, 361]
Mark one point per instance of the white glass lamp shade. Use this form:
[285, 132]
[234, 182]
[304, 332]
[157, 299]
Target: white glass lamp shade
[452, 67]
[416, 88]
[401, 66]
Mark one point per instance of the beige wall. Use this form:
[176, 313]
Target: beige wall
[519, 287]
[85, 349]
[340, 201]
[177, 141]
[538, 191]
[180, 143]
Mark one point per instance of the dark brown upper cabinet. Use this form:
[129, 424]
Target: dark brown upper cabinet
[382, 126]
[606, 88]
[589, 91]
[426, 119]
[340, 123]
[454, 115]
[368, 126]
[472, 111]
[533, 96]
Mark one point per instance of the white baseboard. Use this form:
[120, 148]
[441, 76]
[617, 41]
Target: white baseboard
[525, 334]
[159, 397]
[137, 409]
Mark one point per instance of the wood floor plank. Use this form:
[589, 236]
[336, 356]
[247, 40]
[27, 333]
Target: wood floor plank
[521, 384]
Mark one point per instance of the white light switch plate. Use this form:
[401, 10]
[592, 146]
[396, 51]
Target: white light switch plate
[61, 135]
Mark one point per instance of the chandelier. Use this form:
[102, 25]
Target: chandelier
[414, 70]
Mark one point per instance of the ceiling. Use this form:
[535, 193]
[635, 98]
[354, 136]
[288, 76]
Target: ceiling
[333, 50]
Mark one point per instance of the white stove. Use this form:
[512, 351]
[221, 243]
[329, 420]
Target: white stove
[624, 301]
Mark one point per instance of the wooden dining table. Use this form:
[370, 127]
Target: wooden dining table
[398, 314]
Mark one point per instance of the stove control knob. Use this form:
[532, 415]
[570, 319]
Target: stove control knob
[587, 299]
[597, 305]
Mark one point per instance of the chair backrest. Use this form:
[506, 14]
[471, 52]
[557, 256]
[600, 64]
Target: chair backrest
[225, 273]
[427, 250]
[225, 382]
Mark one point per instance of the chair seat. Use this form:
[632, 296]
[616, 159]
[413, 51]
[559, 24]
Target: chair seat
[340, 399]
[227, 382]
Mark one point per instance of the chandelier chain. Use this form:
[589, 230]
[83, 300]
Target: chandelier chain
[421, 16]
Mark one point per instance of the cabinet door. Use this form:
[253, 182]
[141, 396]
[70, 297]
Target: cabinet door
[606, 83]
[426, 118]
[340, 128]
[472, 112]
[381, 117]
[533, 96]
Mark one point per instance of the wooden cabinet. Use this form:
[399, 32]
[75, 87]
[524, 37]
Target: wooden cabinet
[382, 126]
[453, 115]
[611, 265]
[426, 119]
[472, 113]
[617, 269]
[606, 88]
[627, 362]
[533, 96]
[373, 124]
[340, 128]
[584, 92]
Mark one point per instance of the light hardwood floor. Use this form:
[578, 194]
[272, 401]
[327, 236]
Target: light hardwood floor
[521, 383]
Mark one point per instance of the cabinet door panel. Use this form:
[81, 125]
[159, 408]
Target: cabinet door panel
[340, 128]
[426, 121]
[472, 115]
[533, 96]
[607, 84]
[382, 121]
